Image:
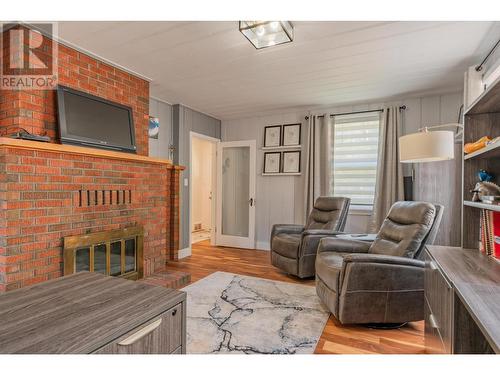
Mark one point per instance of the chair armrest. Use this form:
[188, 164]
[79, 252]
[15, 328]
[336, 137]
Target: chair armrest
[311, 238]
[343, 246]
[321, 232]
[385, 259]
[286, 228]
[380, 273]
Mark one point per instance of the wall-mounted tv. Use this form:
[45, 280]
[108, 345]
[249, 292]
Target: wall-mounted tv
[88, 120]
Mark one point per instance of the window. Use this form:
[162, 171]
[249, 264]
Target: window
[355, 150]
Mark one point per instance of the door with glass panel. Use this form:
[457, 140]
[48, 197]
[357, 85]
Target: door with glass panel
[236, 194]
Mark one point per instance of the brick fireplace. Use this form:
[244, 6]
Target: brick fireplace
[49, 191]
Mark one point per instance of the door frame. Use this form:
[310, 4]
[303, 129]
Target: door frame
[215, 142]
[234, 241]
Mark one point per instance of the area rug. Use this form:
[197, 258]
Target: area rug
[229, 313]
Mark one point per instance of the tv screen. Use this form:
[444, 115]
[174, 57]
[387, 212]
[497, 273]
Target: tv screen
[88, 120]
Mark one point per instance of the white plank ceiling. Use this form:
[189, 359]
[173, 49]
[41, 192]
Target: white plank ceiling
[211, 67]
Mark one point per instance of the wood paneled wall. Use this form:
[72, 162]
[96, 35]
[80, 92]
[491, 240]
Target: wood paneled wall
[281, 199]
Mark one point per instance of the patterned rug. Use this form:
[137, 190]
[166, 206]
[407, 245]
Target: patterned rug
[229, 313]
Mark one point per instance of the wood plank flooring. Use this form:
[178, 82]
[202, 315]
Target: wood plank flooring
[336, 338]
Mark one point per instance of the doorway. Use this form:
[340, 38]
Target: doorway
[236, 194]
[203, 182]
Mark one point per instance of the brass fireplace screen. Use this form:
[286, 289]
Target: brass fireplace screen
[116, 253]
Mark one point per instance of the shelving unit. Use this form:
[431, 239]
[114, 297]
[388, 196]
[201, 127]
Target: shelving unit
[480, 119]
[491, 151]
[484, 206]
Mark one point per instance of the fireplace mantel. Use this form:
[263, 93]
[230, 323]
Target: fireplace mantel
[79, 150]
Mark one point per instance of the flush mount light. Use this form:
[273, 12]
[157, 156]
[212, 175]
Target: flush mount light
[264, 34]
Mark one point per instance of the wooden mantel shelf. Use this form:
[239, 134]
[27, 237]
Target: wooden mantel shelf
[88, 151]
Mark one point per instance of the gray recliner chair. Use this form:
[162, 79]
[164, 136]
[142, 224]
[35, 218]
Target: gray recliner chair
[383, 281]
[294, 247]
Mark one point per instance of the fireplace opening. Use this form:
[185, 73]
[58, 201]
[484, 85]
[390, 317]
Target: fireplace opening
[115, 253]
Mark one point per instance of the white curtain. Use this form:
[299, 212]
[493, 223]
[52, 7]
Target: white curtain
[319, 158]
[389, 183]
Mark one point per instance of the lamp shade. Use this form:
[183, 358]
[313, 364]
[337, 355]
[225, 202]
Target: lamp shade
[426, 146]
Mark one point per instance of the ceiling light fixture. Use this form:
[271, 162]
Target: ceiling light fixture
[264, 34]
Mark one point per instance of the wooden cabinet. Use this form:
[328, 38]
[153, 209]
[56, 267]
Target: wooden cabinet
[438, 309]
[161, 335]
[92, 313]
[462, 309]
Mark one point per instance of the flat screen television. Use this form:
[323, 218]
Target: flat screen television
[88, 120]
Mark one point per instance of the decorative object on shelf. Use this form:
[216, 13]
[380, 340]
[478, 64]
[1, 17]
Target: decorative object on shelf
[153, 127]
[426, 146]
[491, 199]
[484, 175]
[476, 146]
[291, 135]
[484, 188]
[493, 141]
[264, 34]
[496, 234]
[291, 162]
[272, 136]
[489, 232]
[272, 162]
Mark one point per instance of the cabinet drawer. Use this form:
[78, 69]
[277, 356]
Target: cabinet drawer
[439, 297]
[161, 335]
[433, 342]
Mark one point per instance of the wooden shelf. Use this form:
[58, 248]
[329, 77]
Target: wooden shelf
[278, 148]
[490, 151]
[486, 206]
[488, 101]
[80, 150]
[281, 174]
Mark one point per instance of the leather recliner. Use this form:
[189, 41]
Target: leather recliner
[294, 247]
[383, 281]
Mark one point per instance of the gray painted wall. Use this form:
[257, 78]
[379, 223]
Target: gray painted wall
[186, 120]
[176, 122]
[280, 199]
[159, 148]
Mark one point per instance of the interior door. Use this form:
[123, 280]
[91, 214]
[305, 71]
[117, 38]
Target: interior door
[236, 194]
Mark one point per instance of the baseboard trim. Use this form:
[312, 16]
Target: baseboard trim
[263, 245]
[186, 252]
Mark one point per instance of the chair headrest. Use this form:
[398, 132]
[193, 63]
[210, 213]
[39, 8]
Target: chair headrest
[409, 212]
[330, 203]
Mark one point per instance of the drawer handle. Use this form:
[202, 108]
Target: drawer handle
[433, 322]
[140, 333]
[174, 313]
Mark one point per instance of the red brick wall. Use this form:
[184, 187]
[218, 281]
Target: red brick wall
[39, 189]
[39, 199]
[36, 110]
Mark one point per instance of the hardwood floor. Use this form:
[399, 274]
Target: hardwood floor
[336, 338]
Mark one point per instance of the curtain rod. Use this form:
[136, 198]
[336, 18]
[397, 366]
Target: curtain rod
[402, 108]
[480, 66]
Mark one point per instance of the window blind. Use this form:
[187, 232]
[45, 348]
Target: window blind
[354, 156]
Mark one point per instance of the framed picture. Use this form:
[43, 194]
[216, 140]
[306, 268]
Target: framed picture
[291, 135]
[153, 127]
[272, 162]
[291, 162]
[272, 136]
